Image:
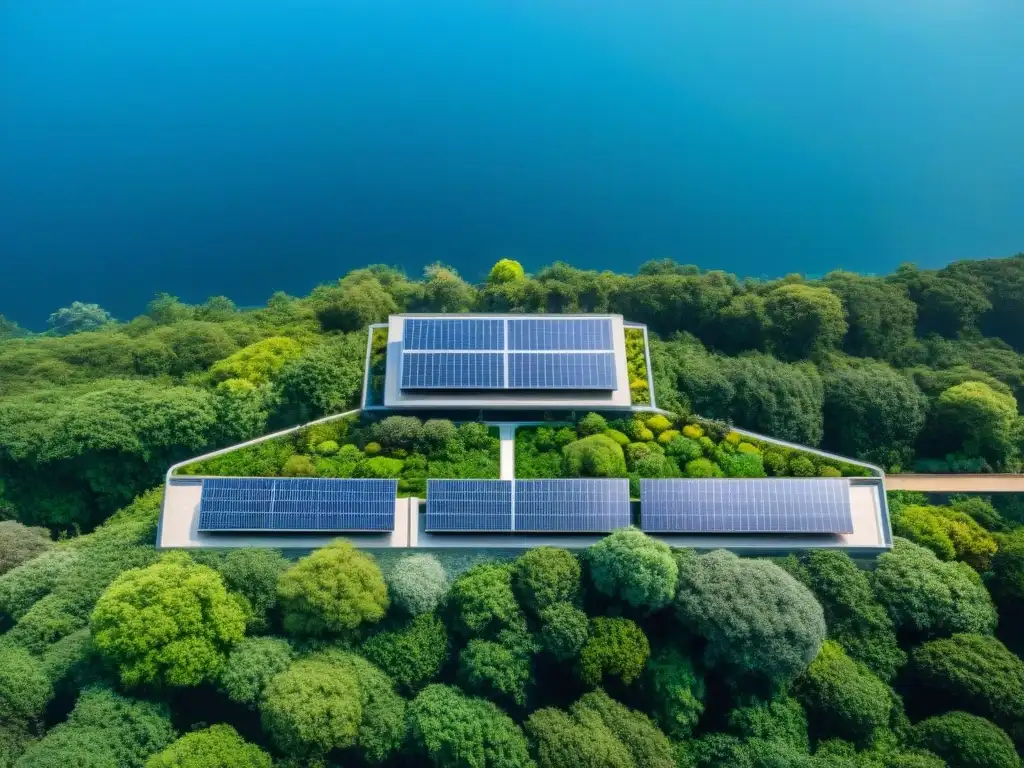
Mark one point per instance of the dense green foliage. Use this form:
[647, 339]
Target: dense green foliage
[217, 747]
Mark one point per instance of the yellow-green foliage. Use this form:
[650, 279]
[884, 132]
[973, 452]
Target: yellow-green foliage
[257, 362]
[666, 437]
[658, 424]
[372, 449]
[693, 431]
[949, 534]
[507, 271]
[733, 438]
[299, 466]
[747, 448]
[617, 436]
[829, 471]
[636, 364]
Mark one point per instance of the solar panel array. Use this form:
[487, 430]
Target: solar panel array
[466, 506]
[312, 505]
[797, 505]
[571, 506]
[508, 353]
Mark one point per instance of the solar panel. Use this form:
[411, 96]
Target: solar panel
[571, 506]
[789, 505]
[568, 370]
[453, 370]
[464, 506]
[297, 504]
[545, 333]
[451, 333]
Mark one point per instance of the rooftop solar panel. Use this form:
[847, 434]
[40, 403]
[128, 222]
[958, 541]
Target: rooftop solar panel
[453, 370]
[544, 333]
[789, 505]
[451, 333]
[568, 370]
[571, 506]
[467, 506]
[297, 504]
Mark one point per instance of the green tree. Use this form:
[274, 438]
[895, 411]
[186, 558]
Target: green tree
[676, 692]
[482, 601]
[417, 584]
[251, 665]
[974, 419]
[257, 363]
[779, 720]
[355, 302]
[413, 655]
[544, 576]
[171, 623]
[496, 671]
[945, 305]
[929, 598]
[616, 648]
[560, 740]
[445, 291]
[506, 271]
[564, 630]
[629, 565]
[335, 590]
[253, 573]
[843, 698]
[880, 313]
[967, 741]
[594, 456]
[326, 378]
[219, 746]
[24, 687]
[950, 534]
[451, 729]
[646, 744]
[756, 618]
[77, 318]
[804, 320]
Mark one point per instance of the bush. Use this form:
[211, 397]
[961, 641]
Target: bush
[703, 468]
[743, 465]
[683, 449]
[629, 565]
[801, 466]
[413, 655]
[327, 448]
[495, 671]
[476, 437]
[437, 435]
[372, 449]
[397, 432]
[844, 699]
[251, 665]
[564, 630]
[482, 600]
[591, 424]
[757, 619]
[506, 271]
[299, 466]
[379, 467]
[1008, 568]
[24, 687]
[655, 464]
[748, 448]
[775, 463]
[219, 746]
[929, 598]
[617, 436]
[417, 584]
[544, 576]
[335, 590]
[594, 456]
[616, 648]
[668, 436]
[657, 423]
[966, 741]
[449, 728]
[19, 544]
[171, 623]
[253, 573]
[780, 720]
[975, 673]
[693, 431]
[949, 534]
[829, 471]
[645, 743]
[561, 741]
[676, 692]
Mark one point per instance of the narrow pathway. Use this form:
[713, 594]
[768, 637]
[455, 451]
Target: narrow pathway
[507, 434]
[955, 483]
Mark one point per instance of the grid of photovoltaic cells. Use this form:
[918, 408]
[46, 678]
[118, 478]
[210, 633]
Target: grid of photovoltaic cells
[565, 370]
[436, 333]
[558, 334]
[466, 506]
[571, 506]
[297, 504]
[453, 370]
[791, 505]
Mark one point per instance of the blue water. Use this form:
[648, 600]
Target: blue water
[226, 147]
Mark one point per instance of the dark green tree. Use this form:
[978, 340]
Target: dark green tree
[805, 320]
[630, 566]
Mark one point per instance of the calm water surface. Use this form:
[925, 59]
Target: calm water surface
[240, 148]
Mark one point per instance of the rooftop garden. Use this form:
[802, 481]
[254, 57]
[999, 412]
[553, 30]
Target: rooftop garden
[378, 366]
[400, 447]
[661, 446]
[636, 365]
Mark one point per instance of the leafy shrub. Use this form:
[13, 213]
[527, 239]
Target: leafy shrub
[683, 449]
[780, 720]
[482, 600]
[495, 670]
[657, 423]
[676, 691]
[617, 436]
[335, 590]
[929, 598]
[966, 741]
[616, 648]
[560, 740]
[656, 464]
[251, 665]
[544, 576]
[19, 544]
[24, 687]
[668, 435]
[327, 448]
[801, 466]
[1008, 568]
[775, 463]
[946, 532]
[437, 435]
[693, 431]
[140, 623]
[756, 618]
[629, 565]
[564, 630]
[372, 449]
[594, 456]
[253, 573]
[449, 728]
[591, 424]
[506, 271]
[645, 743]
[703, 468]
[380, 467]
[743, 465]
[747, 448]
[219, 746]
[417, 584]
[413, 655]
[299, 466]
[476, 437]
